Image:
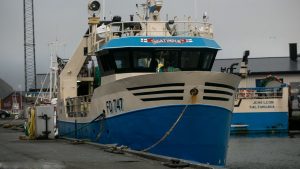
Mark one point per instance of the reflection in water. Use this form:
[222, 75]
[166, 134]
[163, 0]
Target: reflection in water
[261, 151]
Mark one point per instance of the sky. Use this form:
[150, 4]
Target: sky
[265, 27]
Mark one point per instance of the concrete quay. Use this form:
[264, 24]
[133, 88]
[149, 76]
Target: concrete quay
[60, 154]
[64, 154]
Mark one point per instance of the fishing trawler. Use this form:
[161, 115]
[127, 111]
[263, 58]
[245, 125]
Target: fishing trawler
[148, 85]
[262, 109]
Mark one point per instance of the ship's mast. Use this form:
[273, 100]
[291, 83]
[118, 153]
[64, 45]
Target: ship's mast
[53, 68]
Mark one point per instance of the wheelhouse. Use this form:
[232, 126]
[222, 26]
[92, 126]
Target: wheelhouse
[129, 60]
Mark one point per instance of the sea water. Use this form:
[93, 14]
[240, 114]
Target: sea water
[264, 152]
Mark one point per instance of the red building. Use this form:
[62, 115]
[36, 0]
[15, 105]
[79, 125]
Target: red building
[5, 91]
[12, 102]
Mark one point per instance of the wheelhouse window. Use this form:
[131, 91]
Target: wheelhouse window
[190, 59]
[122, 59]
[154, 59]
[167, 58]
[207, 59]
[141, 59]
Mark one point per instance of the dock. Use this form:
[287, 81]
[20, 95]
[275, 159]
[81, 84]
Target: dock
[58, 154]
[64, 154]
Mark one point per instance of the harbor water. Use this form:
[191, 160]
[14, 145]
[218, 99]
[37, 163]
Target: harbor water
[264, 152]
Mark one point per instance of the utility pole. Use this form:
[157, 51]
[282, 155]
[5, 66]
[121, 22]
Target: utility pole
[29, 46]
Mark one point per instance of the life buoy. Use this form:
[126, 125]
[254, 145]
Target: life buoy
[245, 93]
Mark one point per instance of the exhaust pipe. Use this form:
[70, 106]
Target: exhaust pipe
[293, 52]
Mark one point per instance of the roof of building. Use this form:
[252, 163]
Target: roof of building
[5, 89]
[262, 65]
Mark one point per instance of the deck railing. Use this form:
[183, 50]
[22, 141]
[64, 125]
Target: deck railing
[159, 28]
[259, 93]
[78, 106]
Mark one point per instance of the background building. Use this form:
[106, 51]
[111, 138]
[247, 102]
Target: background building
[5, 90]
[286, 69]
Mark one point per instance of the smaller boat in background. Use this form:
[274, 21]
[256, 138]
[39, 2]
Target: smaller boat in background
[261, 109]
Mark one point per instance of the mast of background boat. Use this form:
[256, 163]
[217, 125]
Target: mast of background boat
[53, 68]
[51, 71]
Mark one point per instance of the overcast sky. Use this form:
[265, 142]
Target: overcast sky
[265, 27]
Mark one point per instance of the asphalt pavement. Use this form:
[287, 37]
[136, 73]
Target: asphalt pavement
[61, 154]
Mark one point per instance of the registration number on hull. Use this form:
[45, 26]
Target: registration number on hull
[114, 106]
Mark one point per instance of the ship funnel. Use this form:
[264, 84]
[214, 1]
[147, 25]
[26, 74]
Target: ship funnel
[293, 52]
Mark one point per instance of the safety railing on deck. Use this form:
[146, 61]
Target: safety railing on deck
[155, 28]
[78, 106]
[259, 93]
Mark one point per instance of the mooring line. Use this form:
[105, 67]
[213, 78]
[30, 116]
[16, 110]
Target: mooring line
[168, 132]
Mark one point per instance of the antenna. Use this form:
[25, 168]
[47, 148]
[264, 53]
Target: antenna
[205, 17]
[103, 11]
[195, 9]
[29, 46]
[142, 11]
[53, 67]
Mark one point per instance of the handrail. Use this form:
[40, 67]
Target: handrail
[259, 93]
[78, 106]
[144, 28]
[259, 88]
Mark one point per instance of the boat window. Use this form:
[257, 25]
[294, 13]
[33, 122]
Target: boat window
[122, 59]
[107, 62]
[190, 59]
[207, 59]
[167, 60]
[156, 60]
[141, 59]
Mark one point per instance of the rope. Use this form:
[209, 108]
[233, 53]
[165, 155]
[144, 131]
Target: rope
[168, 132]
[32, 126]
[102, 128]
[36, 101]
[102, 118]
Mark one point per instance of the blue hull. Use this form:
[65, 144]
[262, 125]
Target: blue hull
[201, 135]
[260, 122]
